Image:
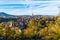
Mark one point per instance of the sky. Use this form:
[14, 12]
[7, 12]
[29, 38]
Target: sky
[27, 7]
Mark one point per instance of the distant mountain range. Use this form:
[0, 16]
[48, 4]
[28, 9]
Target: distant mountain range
[4, 14]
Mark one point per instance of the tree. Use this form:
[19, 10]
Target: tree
[1, 30]
[32, 29]
[18, 34]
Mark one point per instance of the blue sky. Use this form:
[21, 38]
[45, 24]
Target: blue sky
[27, 7]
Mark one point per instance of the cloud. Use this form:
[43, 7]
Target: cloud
[41, 0]
[14, 6]
[54, 0]
[20, 12]
[23, 6]
[27, 7]
[23, 1]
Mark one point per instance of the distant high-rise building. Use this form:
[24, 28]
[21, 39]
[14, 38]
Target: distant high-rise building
[59, 11]
[32, 14]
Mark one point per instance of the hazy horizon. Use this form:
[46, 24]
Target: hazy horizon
[27, 7]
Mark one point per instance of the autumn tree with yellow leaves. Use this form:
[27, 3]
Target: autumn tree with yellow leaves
[32, 29]
[1, 30]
